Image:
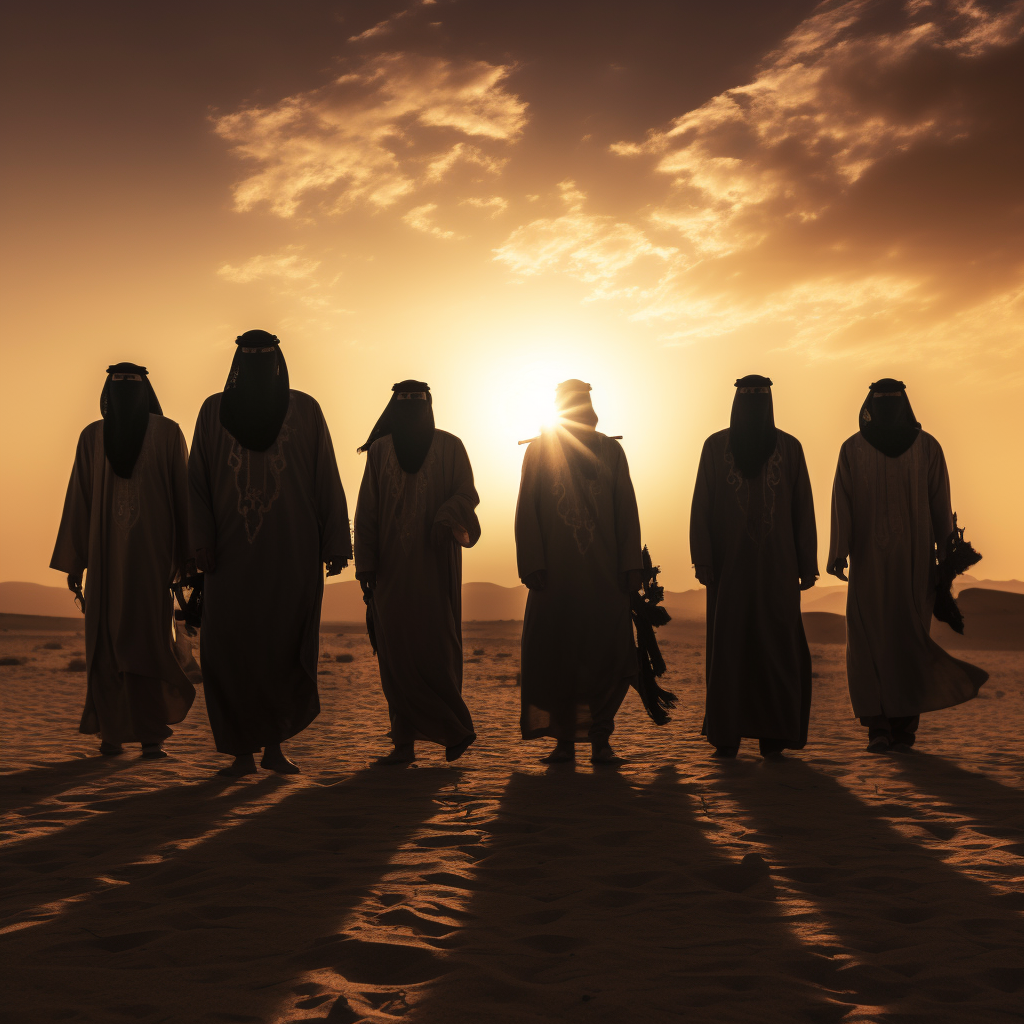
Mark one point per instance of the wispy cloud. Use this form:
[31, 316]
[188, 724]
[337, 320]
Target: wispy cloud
[289, 265]
[375, 134]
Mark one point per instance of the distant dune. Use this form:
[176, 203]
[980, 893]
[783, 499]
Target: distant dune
[40, 624]
[993, 621]
[35, 599]
[824, 628]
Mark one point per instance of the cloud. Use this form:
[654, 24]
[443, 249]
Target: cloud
[288, 265]
[858, 193]
[594, 248]
[419, 217]
[374, 134]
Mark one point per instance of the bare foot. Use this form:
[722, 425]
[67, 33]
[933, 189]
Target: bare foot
[602, 753]
[274, 761]
[404, 754]
[562, 754]
[453, 753]
[244, 764]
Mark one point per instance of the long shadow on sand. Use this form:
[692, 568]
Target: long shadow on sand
[924, 941]
[114, 843]
[603, 900]
[995, 807]
[22, 789]
[227, 929]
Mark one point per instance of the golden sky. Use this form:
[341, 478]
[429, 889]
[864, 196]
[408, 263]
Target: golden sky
[654, 197]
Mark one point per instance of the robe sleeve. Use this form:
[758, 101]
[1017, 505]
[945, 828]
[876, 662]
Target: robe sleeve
[331, 506]
[71, 552]
[367, 525]
[627, 516]
[458, 509]
[202, 526]
[805, 532]
[179, 498]
[702, 510]
[529, 535]
[939, 503]
[841, 542]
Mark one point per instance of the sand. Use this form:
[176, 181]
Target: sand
[836, 885]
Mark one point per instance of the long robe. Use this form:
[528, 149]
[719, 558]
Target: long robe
[272, 519]
[576, 519]
[887, 515]
[132, 537]
[758, 537]
[417, 602]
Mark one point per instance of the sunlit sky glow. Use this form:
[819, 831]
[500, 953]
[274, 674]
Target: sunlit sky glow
[655, 198]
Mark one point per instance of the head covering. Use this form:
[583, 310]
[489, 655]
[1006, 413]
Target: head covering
[409, 419]
[572, 400]
[256, 396]
[126, 401]
[886, 419]
[752, 432]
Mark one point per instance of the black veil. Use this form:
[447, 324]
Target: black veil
[886, 419]
[256, 396]
[752, 432]
[126, 401]
[409, 421]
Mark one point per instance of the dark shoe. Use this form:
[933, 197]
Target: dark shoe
[274, 761]
[562, 754]
[879, 745]
[899, 747]
[110, 749]
[153, 753]
[400, 755]
[726, 751]
[453, 753]
[772, 749]
[602, 753]
[245, 764]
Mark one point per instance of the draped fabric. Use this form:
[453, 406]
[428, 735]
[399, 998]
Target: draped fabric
[271, 519]
[887, 421]
[409, 421]
[256, 395]
[758, 537]
[752, 425]
[576, 520]
[130, 534]
[417, 601]
[887, 513]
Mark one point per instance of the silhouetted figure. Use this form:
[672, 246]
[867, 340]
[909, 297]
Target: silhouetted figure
[413, 518]
[578, 550]
[126, 521]
[754, 546]
[890, 506]
[267, 510]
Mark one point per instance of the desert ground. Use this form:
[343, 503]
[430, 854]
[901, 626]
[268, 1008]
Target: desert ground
[835, 885]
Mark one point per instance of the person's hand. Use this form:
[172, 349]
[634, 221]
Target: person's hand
[837, 569]
[74, 582]
[461, 535]
[705, 577]
[206, 561]
[537, 580]
[631, 580]
[806, 582]
[335, 565]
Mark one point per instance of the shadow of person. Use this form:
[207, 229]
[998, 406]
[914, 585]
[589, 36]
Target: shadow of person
[603, 896]
[228, 926]
[106, 848]
[991, 808]
[24, 788]
[915, 935]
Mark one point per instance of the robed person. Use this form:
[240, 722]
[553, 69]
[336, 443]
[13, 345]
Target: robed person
[578, 552]
[754, 547]
[414, 516]
[891, 522]
[125, 526]
[267, 512]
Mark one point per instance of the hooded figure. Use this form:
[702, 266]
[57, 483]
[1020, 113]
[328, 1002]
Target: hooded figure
[754, 546]
[891, 517]
[126, 521]
[267, 512]
[414, 516]
[579, 553]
